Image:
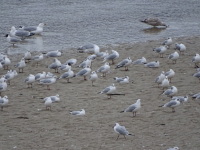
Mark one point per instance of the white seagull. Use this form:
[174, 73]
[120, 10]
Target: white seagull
[160, 78]
[155, 22]
[3, 101]
[48, 81]
[27, 56]
[48, 103]
[124, 63]
[122, 80]
[10, 75]
[55, 98]
[168, 42]
[172, 104]
[89, 48]
[93, 77]
[38, 58]
[29, 80]
[111, 57]
[170, 74]
[171, 91]
[78, 113]
[174, 56]
[21, 65]
[34, 29]
[160, 50]
[181, 98]
[55, 65]
[109, 90]
[20, 33]
[153, 64]
[180, 47]
[40, 76]
[140, 61]
[71, 62]
[104, 69]
[3, 86]
[121, 130]
[12, 40]
[196, 60]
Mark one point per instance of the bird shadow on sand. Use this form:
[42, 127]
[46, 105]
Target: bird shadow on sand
[153, 30]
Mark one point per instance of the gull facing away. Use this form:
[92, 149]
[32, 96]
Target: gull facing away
[83, 72]
[124, 63]
[153, 64]
[170, 74]
[55, 65]
[86, 62]
[174, 56]
[27, 56]
[172, 104]
[29, 80]
[160, 78]
[89, 48]
[165, 83]
[109, 90]
[38, 58]
[56, 53]
[111, 57]
[133, 108]
[5, 62]
[67, 75]
[122, 80]
[3, 101]
[93, 77]
[78, 113]
[140, 61]
[180, 47]
[160, 50]
[12, 40]
[168, 42]
[48, 103]
[196, 60]
[121, 130]
[104, 69]
[34, 29]
[21, 65]
[171, 91]
[48, 81]
[20, 33]
[155, 22]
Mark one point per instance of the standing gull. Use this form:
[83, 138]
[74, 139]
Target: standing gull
[20, 33]
[10, 75]
[168, 42]
[78, 113]
[174, 56]
[3, 86]
[160, 50]
[29, 80]
[111, 57]
[5, 62]
[196, 60]
[38, 58]
[83, 72]
[121, 130]
[172, 104]
[109, 90]
[27, 56]
[56, 53]
[93, 77]
[12, 40]
[180, 47]
[171, 91]
[160, 78]
[104, 69]
[55, 65]
[67, 75]
[133, 108]
[124, 63]
[170, 74]
[48, 81]
[48, 103]
[21, 65]
[34, 29]
[3, 101]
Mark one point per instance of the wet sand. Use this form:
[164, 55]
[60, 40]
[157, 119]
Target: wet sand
[26, 124]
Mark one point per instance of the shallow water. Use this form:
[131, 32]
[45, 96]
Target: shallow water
[72, 23]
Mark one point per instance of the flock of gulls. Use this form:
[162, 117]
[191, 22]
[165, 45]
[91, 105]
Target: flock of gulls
[163, 80]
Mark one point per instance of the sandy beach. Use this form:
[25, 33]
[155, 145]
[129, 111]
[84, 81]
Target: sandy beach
[26, 124]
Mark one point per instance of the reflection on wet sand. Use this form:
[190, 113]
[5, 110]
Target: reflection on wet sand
[153, 30]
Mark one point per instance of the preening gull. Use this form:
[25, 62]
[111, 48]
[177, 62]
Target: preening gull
[34, 29]
[83, 72]
[20, 33]
[168, 42]
[12, 40]
[55, 65]
[93, 77]
[170, 74]
[122, 80]
[64, 67]
[48, 81]
[160, 50]
[29, 80]
[3, 101]
[140, 61]
[124, 63]
[78, 113]
[180, 47]
[153, 64]
[109, 90]
[165, 83]
[71, 62]
[111, 57]
[172, 104]
[155, 22]
[174, 56]
[67, 75]
[56, 53]
[21, 65]
[104, 69]
[171, 91]
[121, 130]
[133, 108]
[3, 86]
[89, 48]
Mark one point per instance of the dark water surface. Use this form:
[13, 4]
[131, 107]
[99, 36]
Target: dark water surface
[72, 23]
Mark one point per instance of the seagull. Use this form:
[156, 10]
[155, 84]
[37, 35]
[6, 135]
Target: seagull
[27, 56]
[78, 113]
[160, 78]
[64, 67]
[122, 80]
[170, 74]
[104, 69]
[3, 86]
[71, 62]
[196, 96]
[21, 65]
[3, 101]
[34, 29]
[180, 98]
[67, 75]
[121, 130]
[29, 80]
[124, 63]
[5, 62]
[160, 50]
[93, 77]
[155, 22]
[174, 148]
[181, 47]
[140, 61]
[172, 104]
[89, 48]
[10, 75]
[168, 42]
[55, 65]
[109, 90]
[92, 57]
[83, 72]
[111, 57]
[40, 76]
[12, 40]
[55, 98]
[153, 64]
[133, 108]
[171, 91]
[20, 33]
[86, 62]
[56, 53]
[196, 60]
[38, 58]
[174, 56]
[48, 81]
[48, 103]
[197, 75]
[102, 55]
